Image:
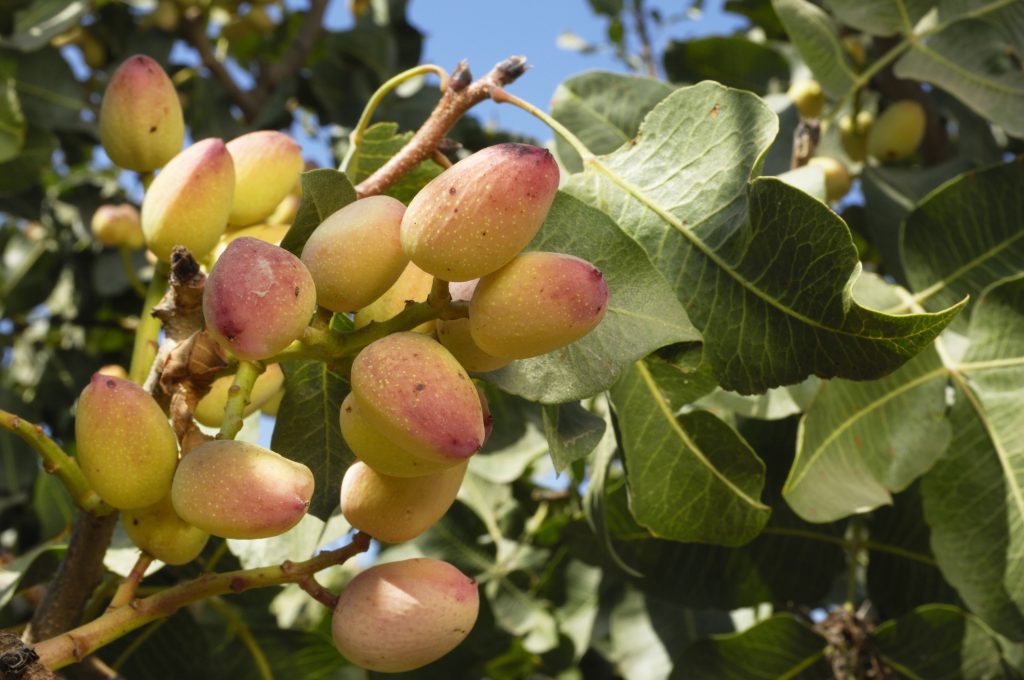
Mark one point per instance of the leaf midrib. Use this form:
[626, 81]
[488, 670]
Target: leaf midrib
[600, 117]
[961, 271]
[688, 443]
[640, 196]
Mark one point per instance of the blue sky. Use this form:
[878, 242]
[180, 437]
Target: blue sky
[486, 31]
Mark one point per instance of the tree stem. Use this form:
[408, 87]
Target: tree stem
[76, 644]
[79, 572]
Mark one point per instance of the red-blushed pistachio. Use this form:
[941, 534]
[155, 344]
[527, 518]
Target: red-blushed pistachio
[396, 509]
[234, 489]
[400, 616]
[412, 391]
[159, 532]
[485, 407]
[376, 450]
[267, 164]
[897, 132]
[356, 254]
[188, 202]
[141, 123]
[118, 226]
[210, 409]
[412, 286]
[455, 336]
[477, 215]
[537, 303]
[126, 447]
[258, 299]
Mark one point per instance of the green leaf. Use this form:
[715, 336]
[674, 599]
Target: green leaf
[603, 110]
[890, 194]
[942, 642]
[323, 192]
[731, 60]
[647, 634]
[572, 433]
[41, 21]
[879, 17]
[975, 59]
[781, 647]
[691, 477]
[12, 121]
[379, 144]
[53, 506]
[766, 278]
[966, 235]
[35, 566]
[308, 430]
[973, 497]
[680, 373]
[297, 544]
[50, 96]
[642, 312]
[815, 37]
[902, 571]
[862, 441]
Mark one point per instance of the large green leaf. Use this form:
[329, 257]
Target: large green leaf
[816, 39]
[766, 277]
[642, 311]
[308, 429]
[790, 560]
[781, 647]
[603, 109]
[380, 142]
[974, 496]
[862, 441]
[973, 53]
[879, 17]
[731, 60]
[691, 477]
[966, 235]
[942, 642]
[323, 192]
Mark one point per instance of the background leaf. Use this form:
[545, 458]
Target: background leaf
[815, 37]
[691, 477]
[572, 433]
[973, 497]
[323, 192]
[308, 430]
[731, 60]
[782, 646]
[380, 142]
[603, 109]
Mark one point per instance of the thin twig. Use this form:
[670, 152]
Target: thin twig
[318, 592]
[126, 591]
[646, 53]
[238, 398]
[292, 60]
[77, 644]
[57, 463]
[194, 31]
[461, 95]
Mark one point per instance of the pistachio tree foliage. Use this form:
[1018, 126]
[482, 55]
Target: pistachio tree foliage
[784, 438]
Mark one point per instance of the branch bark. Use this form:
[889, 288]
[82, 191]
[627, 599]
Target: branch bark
[295, 57]
[461, 95]
[75, 645]
[194, 30]
[78, 574]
